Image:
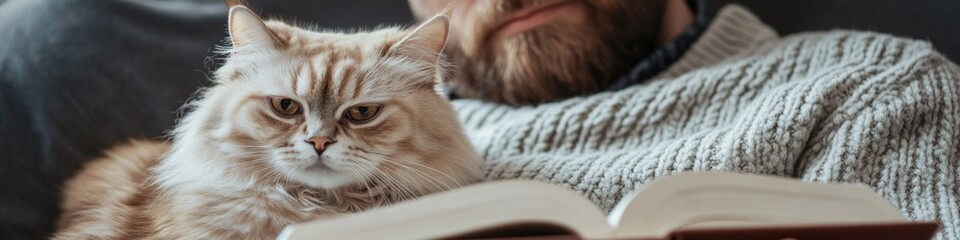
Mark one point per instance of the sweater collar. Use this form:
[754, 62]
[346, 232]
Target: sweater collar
[733, 32]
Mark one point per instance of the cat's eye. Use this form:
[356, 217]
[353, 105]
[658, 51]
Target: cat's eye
[362, 113]
[284, 107]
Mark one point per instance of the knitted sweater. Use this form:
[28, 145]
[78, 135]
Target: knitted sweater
[838, 106]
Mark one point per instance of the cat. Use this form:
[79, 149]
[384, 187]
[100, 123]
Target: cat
[299, 125]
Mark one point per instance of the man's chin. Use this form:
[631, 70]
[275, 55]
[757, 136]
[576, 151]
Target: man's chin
[533, 67]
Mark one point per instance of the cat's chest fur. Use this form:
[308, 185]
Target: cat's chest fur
[257, 213]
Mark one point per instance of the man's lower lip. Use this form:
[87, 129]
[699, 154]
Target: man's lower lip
[536, 19]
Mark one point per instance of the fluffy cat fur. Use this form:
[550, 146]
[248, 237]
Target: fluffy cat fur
[241, 166]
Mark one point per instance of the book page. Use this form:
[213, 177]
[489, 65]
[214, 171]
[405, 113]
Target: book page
[716, 199]
[473, 208]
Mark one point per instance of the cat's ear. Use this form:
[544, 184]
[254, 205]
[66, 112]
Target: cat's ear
[425, 42]
[247, 31]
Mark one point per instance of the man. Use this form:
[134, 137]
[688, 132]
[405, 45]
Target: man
[603, 96]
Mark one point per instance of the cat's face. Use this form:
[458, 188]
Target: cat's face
[328, 110]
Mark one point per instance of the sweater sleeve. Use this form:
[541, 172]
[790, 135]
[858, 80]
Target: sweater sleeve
[899, 133]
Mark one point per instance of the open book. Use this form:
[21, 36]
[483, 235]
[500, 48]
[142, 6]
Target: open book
[685, 202]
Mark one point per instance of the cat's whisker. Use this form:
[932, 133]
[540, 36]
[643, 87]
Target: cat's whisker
[379, 181]
[400, 186]
[454, 180]
[271, 176]
[430, 179]
[401, 192]
[405, 180]
[249, 162]
[242, 166]
[459, 185]
[249, 146]
[380, 188]
[364, 181]
[382, 182]
[440, 172]
[253, 153]
[423, 175]
[278, 175]
[367, 164]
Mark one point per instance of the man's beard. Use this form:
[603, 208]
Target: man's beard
[556, 60]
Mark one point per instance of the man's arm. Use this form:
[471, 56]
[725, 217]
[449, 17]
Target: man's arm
[900, 134]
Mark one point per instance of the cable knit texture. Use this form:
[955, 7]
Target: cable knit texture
[838, 106]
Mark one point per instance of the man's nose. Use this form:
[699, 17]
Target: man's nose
[320, 143]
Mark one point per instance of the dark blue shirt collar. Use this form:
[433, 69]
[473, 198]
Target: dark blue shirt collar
[660, 59]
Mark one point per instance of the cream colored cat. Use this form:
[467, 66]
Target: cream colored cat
[299, 125]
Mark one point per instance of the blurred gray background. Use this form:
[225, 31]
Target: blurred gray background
[937, 21]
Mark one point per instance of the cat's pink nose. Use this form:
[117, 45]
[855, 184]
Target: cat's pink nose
[320, 143]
